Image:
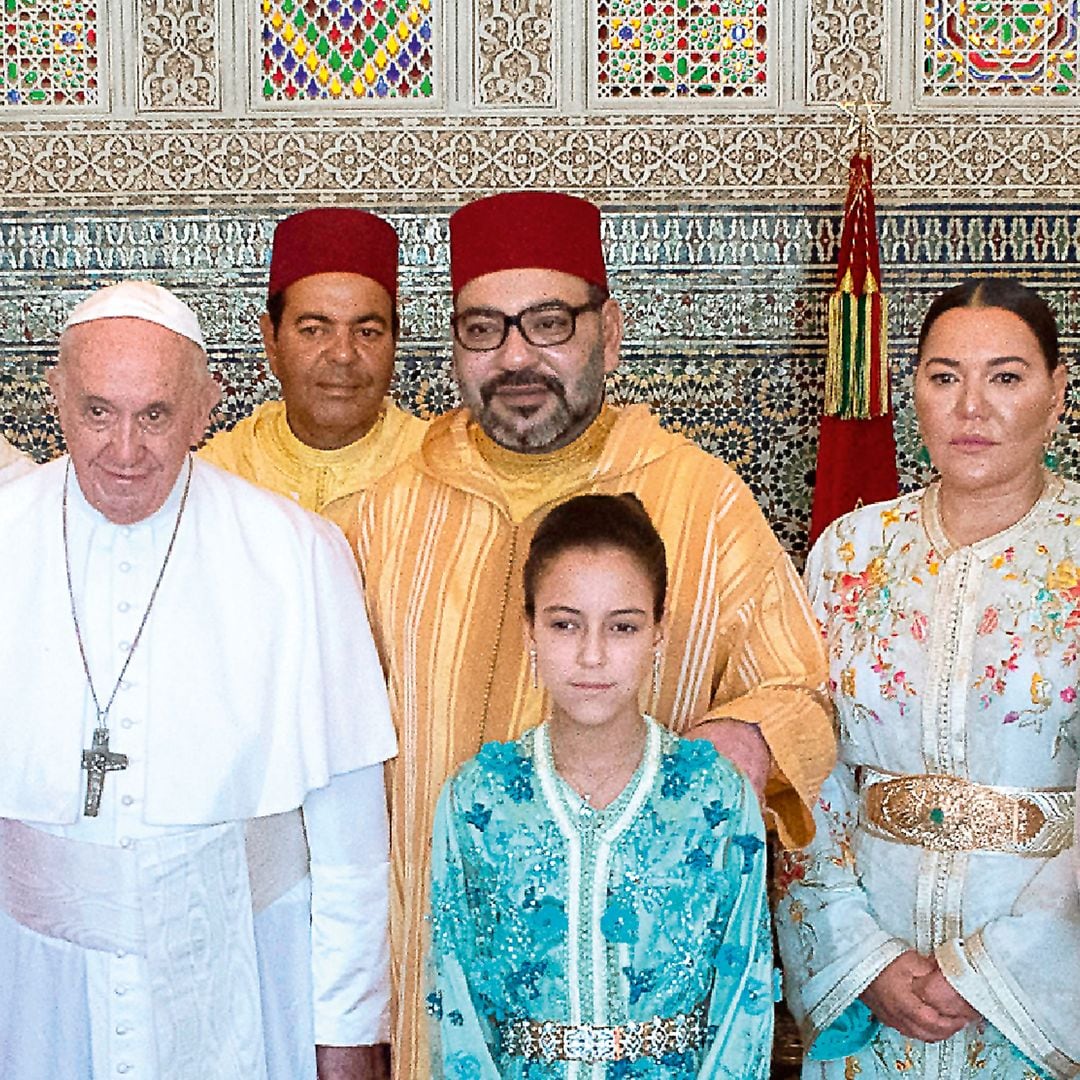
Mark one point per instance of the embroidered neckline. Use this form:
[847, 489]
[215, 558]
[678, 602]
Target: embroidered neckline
[930, 506]
[513, 467]
[574, 805]
[528, 482]
[299, 455]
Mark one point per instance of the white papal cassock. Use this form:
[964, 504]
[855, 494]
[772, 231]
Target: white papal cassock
[128, 946]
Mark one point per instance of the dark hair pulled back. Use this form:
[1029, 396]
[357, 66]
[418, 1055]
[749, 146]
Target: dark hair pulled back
[999, 292]
[594, 522]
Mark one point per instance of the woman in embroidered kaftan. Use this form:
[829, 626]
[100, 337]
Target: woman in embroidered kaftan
[598, 904]
[932, 927]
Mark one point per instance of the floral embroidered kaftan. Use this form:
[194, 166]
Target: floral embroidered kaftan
[956, 661]
[544, 909]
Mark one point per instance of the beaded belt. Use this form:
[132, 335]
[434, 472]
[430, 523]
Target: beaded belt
[947, 813]
[543, 1040]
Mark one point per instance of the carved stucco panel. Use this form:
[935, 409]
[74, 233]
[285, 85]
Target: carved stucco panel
[179, 64]
[642, 160]
[846, 51]
[514, 53]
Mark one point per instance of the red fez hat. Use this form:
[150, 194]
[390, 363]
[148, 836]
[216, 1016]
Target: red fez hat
[330, 240]
[518, 230]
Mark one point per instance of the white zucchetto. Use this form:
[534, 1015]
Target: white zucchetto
[139, 300]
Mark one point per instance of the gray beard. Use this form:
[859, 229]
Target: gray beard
[560, 429]
[565, 422]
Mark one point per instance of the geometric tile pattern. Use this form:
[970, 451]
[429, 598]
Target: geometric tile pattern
[342, 50]
[681, 48]
[726, 314]
[50, 55]
[1000, 48]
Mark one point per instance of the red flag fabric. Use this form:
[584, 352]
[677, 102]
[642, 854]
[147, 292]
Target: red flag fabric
[856, 461]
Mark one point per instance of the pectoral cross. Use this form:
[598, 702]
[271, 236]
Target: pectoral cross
[97, 761]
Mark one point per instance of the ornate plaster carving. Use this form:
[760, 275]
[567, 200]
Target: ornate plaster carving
[514, 53]
[178, 65]
[640, 160]
[846, 55]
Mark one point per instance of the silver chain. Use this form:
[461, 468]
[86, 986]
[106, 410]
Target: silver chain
[103, 714]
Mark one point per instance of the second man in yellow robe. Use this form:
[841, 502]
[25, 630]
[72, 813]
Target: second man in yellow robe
[330, 333]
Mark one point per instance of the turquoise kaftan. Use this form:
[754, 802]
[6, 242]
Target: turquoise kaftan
[548, 910]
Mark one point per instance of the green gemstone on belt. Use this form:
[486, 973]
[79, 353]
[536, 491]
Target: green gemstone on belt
[937, 815]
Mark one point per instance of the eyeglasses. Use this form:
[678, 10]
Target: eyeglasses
[554, 323]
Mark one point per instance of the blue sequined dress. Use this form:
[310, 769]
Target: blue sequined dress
[544, 909]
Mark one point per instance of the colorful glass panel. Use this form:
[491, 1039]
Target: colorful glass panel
[50, 52]
[346, 50]
[682, 48]
[1000, 48]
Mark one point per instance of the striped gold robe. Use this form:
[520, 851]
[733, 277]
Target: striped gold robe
[442, 561]
[262, 448]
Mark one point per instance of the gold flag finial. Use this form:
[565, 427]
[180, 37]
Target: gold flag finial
[862, 120]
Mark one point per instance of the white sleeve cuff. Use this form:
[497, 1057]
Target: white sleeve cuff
[350, 953]
[348, 836]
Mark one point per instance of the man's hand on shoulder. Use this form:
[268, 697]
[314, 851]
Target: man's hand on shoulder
[742, 744]
[353, 1062]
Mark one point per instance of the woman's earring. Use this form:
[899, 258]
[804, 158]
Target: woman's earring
[532, 670]
[657, 663]
[922, 456]
[1050, 455]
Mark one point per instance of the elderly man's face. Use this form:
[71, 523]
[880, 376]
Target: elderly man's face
[133, 397]
[535, 398]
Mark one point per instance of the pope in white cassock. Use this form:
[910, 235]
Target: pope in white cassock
[180, 652]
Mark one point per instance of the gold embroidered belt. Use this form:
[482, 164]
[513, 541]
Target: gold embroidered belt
[542, 1040]
[948, 813]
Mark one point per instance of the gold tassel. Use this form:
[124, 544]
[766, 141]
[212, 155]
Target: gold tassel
[834, 361]
[883, 359]
[848, 373]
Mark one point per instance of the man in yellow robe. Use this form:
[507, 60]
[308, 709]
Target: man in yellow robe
[330, 331]
[442, 540]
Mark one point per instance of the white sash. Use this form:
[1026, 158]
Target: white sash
[183, 902]
[277, 856]
[83, 893]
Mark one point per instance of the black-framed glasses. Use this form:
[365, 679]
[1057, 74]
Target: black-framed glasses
[553, 323]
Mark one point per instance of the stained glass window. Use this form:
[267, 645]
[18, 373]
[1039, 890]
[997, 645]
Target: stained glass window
[682, 48]
[346, 49]
[50, 52]
[1000, 48]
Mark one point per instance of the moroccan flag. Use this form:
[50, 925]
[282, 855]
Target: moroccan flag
[856, 460]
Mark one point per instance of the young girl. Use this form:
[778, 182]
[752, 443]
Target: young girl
[598, 892]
